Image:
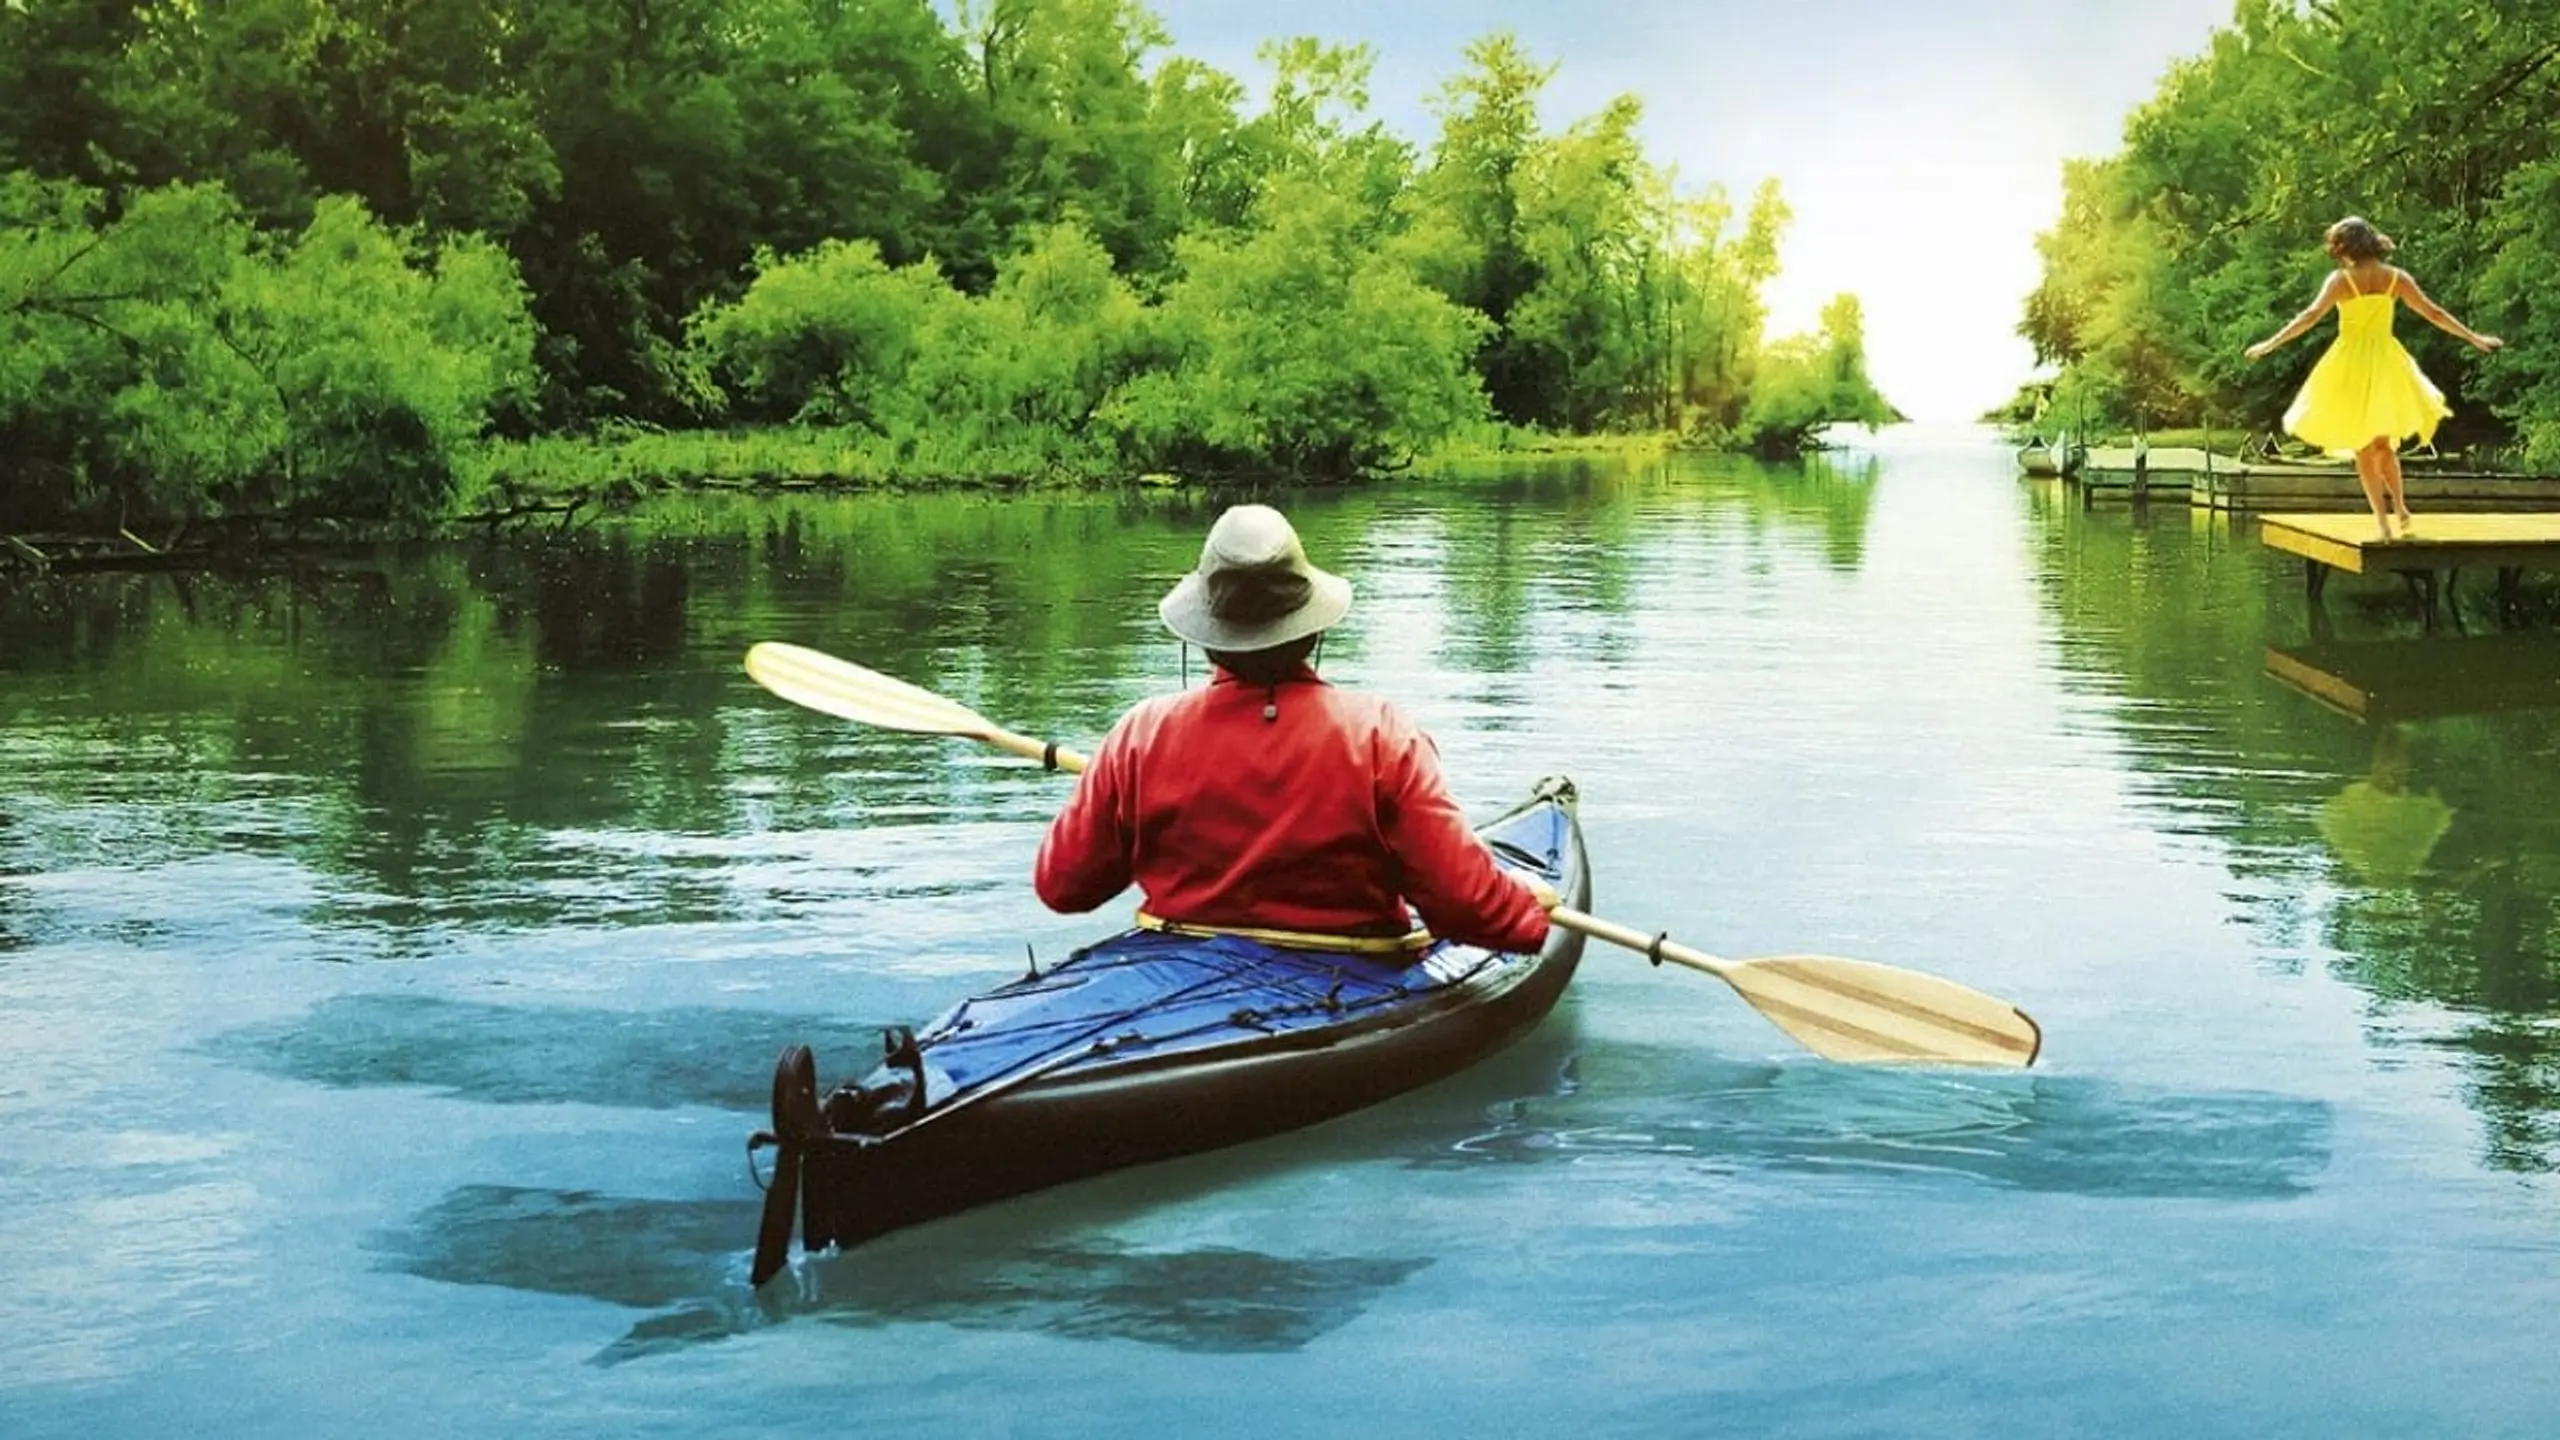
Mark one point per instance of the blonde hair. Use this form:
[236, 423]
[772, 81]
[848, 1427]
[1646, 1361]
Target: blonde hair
[2355, 239]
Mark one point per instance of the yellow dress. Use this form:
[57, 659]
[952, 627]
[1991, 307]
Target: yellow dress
[2366, 386]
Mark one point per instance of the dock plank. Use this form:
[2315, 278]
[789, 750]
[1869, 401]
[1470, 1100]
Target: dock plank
[2431, 490]
[2435, 542]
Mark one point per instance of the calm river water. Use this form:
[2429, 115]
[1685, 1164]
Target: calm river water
[393, 959]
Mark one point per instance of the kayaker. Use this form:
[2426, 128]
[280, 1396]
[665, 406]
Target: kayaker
[1268, 799]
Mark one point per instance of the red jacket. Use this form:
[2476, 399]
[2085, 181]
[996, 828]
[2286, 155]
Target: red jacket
[1328, 817]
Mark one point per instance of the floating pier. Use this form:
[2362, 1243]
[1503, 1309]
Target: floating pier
[2137, 472]
[2210, 480]
[2277, 486]
[2508, 544]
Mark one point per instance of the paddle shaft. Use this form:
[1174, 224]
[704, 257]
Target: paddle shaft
[1058, 757]
[1640, 942]
[1048, 753]
[1853, 1010]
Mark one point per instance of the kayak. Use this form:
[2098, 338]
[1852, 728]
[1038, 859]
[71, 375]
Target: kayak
[1149, 1045]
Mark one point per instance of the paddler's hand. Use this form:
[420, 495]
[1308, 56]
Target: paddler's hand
[1548, 899]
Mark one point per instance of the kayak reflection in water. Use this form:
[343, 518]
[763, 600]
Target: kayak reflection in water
[1269, 800]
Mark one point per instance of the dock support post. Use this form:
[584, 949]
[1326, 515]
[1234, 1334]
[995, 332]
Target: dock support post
[2422, 584]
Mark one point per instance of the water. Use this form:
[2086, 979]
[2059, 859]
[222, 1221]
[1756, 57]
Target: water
[393, 958]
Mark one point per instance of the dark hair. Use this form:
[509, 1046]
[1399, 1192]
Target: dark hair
[1266, 667]
[2354, 238]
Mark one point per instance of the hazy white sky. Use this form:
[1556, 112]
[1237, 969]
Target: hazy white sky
[1920, 142]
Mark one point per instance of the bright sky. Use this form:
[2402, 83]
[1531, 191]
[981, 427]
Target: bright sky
[1919, 142]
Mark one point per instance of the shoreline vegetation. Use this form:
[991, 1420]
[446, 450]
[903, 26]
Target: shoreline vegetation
[269, 268]
[809, 458]
[558, 483]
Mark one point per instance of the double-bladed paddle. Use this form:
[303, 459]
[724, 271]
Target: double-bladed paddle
[1852, 1010]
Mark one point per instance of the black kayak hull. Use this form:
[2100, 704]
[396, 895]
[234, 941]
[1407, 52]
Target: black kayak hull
[1086, 1098]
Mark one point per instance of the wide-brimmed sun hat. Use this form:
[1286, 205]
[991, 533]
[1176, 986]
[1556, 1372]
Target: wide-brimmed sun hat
[1254, 587]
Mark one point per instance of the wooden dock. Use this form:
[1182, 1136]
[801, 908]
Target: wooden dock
[2508, 544]
[2138, 473]
[2212, 480]
[2378, 682]
[2286, 486]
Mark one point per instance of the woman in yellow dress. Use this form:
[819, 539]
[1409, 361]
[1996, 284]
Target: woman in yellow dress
[2366, 395]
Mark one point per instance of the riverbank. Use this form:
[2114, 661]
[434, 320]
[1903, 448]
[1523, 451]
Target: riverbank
[836, 458]
[555, 482]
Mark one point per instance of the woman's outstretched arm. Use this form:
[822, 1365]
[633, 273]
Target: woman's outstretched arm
[2309, 317]
[2405, 285]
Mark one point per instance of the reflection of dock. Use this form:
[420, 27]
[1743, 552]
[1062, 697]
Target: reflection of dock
[2508, 544]
[2381, 681]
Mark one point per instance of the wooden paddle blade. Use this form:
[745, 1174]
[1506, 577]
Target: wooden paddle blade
[773, 1228]
[796, 1121]
[848, 691]
[1863, 1012]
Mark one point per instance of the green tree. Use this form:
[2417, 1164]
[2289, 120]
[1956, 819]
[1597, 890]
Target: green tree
[824, 337]
[1590, 228]
[1075, 121]
[172, 363]
[1488, 117]
[1301, 349]
[1812, 381]
[58, 116]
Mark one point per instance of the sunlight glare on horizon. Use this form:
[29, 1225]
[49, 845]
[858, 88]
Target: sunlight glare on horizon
[1919, 147]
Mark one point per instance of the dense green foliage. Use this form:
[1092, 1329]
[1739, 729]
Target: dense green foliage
[173, 361]
[1810, 381]
[1019, 239]
[2437, 119]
